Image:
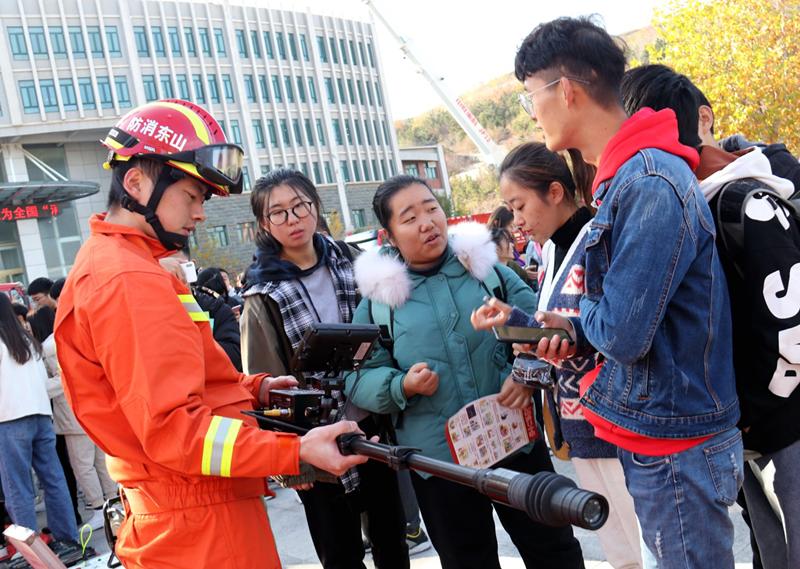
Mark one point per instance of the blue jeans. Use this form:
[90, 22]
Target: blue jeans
[682, 501]
[28, 443]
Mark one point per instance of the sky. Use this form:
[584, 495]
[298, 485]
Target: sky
[466, 42]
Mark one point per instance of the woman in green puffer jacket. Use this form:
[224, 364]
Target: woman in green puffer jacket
[439, 363]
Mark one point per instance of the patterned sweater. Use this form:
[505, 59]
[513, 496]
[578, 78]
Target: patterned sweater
[561, 289]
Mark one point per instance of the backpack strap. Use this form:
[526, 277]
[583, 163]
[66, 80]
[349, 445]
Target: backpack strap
[345, 250]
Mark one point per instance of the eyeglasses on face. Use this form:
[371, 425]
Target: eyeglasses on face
[526, 99]
[281, 216]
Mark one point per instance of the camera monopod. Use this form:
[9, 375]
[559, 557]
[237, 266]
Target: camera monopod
[546, 497]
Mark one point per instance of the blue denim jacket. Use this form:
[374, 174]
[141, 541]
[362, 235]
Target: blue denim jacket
[656, 304]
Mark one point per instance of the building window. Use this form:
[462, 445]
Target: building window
[124, 94]
[356, 172]
[158, 41]
[273, 134]
[57, 42]
[140, 38]
[241, 41]
[68, 97]
[188, 38]
[412, 170]
[368, 131]
[49, 99]
[287, 82]
[371, 58]
[360, 88]
[320, 132]
[268, 45]
[246, 178]
[112, 39]
[309, 133]
[236, 132]
[298, 132]
[369, 93]
[337, 132]
[255, 44]
[262, 83]
[391, 167]
[383, 169]
[166, 87]
[265, 169]
[312, 90]
[345, 170]
[304, 47]
[183, 86]
[285, 132]
[247, 230]
[301, 89]
[104, 89]
[430, 170]
[328, 172]
[276, 89]
[218, 236]
[38, 42]
[199, 91]
[361, 51]
[323, 52]
[378, 95]
[258, 130]
[213, 89]
[250, 88]
[174, 40]
[87, 91]
[340, 85]
[343, 51]
[348, 131]
[227, 85]
[351, 92]
[95, 40]
[334, 54]
[219, 38]
[205, 40]
[281, 45]
[377, 132]
[386, 137]
[16, 37]
[317, 174]
[375, 175]
[329, 90]
[27, 91]
[293, 46]
[76, 42]
[357, 127]
[359, 218]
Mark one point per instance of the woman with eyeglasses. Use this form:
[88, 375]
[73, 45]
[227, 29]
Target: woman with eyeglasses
[300, 277]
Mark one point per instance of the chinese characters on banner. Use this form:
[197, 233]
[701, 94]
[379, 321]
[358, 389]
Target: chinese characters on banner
[29, 212]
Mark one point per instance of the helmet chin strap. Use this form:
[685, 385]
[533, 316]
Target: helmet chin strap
[167, 177]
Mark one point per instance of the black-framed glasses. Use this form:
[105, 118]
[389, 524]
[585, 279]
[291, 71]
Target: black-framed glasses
[281, 216]
[526, 98]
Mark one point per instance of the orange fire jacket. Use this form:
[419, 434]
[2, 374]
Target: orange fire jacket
[145, 377]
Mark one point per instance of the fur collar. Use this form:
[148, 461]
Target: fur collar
[383, 277]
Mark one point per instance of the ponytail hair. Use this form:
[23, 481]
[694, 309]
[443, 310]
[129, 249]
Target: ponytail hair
[533, 166]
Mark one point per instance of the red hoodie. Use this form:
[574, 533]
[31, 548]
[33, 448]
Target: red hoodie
[645, 129]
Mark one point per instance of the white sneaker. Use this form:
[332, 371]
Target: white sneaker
[97, 520]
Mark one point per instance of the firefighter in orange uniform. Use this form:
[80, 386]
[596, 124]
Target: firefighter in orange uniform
[142, 370]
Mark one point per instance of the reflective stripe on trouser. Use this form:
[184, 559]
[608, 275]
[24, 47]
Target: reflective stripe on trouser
[218, 446]
[193, 309]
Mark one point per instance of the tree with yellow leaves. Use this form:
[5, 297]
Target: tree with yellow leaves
[744, 55]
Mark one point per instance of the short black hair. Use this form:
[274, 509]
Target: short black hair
[384, 193]
[151, 168]
[40, 285]
[58, 286]
[659, 87]
[577, 47]
[42, 323]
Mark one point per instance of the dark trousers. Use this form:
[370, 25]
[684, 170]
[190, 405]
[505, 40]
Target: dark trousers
[334, 520]
[460, 525]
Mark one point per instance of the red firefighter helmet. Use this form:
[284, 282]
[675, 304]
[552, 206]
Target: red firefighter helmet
[182, 135]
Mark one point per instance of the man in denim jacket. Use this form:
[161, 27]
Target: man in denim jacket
[656, 305]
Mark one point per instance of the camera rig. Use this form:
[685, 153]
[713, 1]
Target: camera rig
[546, 497]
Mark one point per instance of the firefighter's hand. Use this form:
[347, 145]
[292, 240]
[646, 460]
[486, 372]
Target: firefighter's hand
[319, 448]
[491, 313]
[270, 383]
[173, 266]
[514, 395]
[421, 380]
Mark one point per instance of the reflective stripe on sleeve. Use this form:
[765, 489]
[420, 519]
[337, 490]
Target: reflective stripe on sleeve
[218, 446]
[193, 309]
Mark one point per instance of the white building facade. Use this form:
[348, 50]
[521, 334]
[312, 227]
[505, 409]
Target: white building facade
[295, 89]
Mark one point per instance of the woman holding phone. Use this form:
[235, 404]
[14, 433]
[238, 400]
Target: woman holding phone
[437, 363]
[544, 194]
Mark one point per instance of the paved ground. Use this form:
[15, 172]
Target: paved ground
[297, 552]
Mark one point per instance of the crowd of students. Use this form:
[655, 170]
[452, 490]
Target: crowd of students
[668, 260]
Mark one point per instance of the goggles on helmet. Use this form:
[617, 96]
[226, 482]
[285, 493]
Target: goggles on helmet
[219, 164]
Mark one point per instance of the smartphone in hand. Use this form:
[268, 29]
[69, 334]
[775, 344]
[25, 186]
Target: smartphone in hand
[520, 335]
